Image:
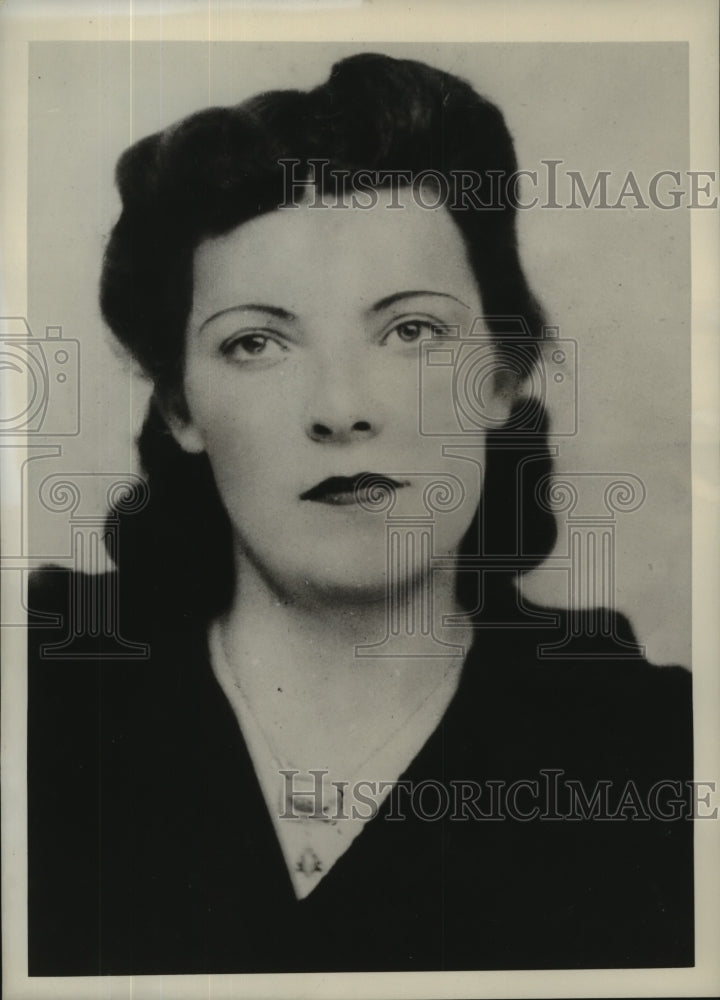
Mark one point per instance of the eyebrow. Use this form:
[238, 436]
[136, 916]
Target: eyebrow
[276, 311]
[285, 314]
[399, 296]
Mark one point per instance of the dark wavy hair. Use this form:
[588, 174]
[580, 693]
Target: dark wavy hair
[221, 167]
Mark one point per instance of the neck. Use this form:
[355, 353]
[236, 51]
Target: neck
[297, 662]
[298, 666]
[317, 631]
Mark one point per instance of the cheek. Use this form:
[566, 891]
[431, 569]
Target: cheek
[241, 416]
[249, 455]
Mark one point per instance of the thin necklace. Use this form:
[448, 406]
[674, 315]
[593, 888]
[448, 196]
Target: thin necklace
[270, 743]
[301, 801]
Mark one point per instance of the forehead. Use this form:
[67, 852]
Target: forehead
[305, 251]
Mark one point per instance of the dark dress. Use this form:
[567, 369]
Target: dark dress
[151, 850]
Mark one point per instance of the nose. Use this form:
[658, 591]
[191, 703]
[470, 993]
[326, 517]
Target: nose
[340, 431]
[340, 411]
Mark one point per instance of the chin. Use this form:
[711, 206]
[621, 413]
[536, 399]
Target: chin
[343, 578]
[331, 572]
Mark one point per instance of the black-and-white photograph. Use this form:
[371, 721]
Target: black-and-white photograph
[351, 414]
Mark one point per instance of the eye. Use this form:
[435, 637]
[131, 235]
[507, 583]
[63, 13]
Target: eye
[412, 330]
[251, 346]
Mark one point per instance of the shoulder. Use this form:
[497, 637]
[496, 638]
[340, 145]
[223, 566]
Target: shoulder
[108, 615]
[96, 667]
[48, 591]
[587, 695]
[56, 591]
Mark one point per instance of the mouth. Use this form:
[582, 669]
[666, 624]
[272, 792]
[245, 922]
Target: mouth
[345, 491]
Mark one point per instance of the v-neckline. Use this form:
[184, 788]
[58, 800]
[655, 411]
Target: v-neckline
[238, 771]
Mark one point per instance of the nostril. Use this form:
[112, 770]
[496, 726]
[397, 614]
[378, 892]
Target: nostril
[342, 432]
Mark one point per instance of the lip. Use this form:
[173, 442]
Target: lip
[347, 491]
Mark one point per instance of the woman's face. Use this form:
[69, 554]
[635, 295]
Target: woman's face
[302, 372]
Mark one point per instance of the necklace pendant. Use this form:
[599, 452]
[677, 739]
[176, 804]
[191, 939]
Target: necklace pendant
[306, 806]
[320, 804]
[308, 863]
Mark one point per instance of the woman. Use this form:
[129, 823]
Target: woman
[346, 749]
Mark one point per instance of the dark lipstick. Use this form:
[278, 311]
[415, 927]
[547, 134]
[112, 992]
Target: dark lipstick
[343, 491]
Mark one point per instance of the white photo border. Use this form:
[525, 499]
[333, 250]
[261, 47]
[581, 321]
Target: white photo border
[695, 22]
